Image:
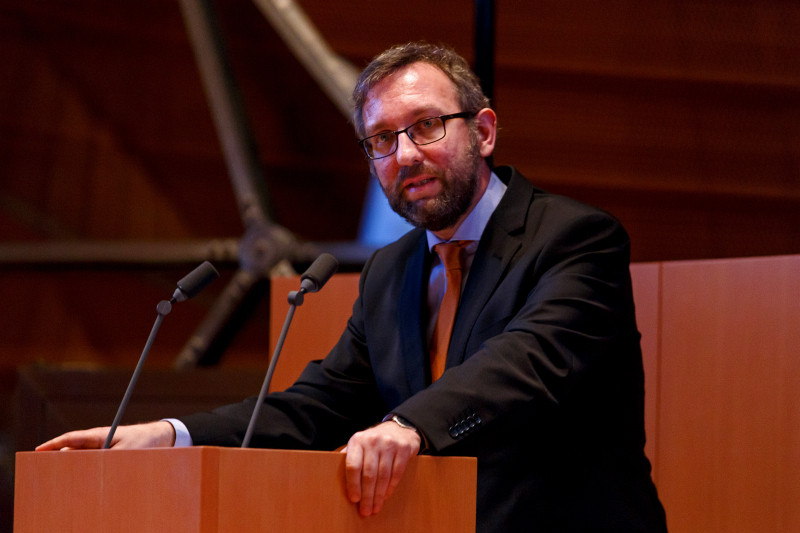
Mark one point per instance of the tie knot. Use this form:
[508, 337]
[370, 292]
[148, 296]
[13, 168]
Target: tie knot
[450, 253]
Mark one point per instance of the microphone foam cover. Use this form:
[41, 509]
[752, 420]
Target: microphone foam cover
[319, 272]
[197, 280]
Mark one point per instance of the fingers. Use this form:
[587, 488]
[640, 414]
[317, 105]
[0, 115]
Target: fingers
[375, 464]
[150, 435]
[352, 471]
[364, 473]
[398, 469]
[84, 439]
[370, 484]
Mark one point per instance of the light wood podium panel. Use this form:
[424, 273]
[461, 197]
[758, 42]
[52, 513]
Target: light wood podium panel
[208, 489]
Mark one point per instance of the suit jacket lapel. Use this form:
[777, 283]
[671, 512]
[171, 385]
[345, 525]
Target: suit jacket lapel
[498, 245]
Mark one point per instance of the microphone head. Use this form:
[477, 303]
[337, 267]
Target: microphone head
[195, 281]
[318, 273]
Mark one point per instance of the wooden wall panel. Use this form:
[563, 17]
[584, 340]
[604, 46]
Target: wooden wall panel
[67, 317]
[681, 117]
[729, 409]
[647, 110]
[106, 132]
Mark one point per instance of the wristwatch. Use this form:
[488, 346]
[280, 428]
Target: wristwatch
[402, 422]
[405, 424]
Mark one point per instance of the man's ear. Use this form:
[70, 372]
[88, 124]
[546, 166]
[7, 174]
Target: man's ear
[486, 119]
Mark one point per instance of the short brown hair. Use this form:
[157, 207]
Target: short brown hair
[468, 87]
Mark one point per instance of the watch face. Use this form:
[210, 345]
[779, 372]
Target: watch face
[402, 422]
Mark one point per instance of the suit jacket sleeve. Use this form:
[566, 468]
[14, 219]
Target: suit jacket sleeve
[332, 399]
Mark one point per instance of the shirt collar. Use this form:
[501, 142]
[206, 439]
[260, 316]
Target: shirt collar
[472, 227]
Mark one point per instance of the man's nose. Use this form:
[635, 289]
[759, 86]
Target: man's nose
[407, 153]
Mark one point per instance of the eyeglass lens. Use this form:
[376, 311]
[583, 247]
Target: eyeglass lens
[425, 131]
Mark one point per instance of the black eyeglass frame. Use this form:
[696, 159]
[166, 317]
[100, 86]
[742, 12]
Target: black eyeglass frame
[443, 118]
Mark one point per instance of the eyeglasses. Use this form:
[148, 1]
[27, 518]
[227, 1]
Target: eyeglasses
[426, 131]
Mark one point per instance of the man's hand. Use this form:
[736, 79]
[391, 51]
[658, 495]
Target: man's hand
[150, 435]
[376, 460]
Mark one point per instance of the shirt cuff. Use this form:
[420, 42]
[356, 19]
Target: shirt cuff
[182, 437]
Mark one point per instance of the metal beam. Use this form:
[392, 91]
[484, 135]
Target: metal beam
[334, 74]
[79, 254]
[227, 110]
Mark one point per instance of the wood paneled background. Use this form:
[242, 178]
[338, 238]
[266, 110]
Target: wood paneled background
[681, 117]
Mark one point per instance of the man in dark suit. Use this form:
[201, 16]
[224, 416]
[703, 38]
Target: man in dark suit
[542, 378]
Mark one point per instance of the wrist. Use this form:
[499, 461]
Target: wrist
[169, 433]
[405, 424]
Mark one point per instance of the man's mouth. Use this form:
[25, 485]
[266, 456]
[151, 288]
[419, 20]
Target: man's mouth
[418, 183]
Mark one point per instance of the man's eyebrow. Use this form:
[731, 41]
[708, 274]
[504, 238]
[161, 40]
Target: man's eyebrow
[420, 114]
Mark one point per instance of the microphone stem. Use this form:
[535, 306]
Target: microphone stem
[270, 371]
[163, 309]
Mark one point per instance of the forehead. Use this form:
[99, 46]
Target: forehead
[410, 92]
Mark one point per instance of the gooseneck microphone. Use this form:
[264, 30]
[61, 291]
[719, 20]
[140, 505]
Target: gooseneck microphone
[312, 280]
[188, 287]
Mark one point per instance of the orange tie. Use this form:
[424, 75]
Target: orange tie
[450, 254]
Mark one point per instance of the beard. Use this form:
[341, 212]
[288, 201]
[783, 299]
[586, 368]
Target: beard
[459, 183]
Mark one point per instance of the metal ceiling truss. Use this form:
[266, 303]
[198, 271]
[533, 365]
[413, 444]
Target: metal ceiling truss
[265, 246]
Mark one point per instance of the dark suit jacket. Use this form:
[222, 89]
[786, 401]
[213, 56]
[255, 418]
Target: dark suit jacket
[544, 380]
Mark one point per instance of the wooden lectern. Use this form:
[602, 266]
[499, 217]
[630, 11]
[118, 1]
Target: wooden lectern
[209, 489]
